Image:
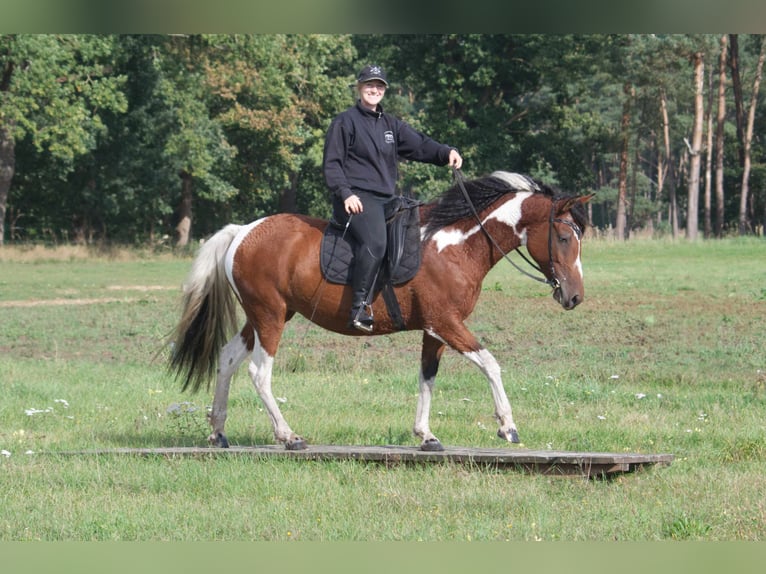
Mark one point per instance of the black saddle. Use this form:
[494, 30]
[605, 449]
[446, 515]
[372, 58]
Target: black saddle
[402, 259]
[403, 255]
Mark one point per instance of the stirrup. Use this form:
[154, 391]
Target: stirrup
[362, 325]
[362, 320]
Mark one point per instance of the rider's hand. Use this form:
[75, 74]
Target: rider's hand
[454, 159]
[353, 205]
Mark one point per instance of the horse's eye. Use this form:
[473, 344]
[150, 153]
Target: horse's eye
[564, 238]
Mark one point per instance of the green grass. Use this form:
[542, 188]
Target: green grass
[666, 354]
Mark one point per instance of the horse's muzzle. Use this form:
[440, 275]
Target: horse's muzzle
[568, 302]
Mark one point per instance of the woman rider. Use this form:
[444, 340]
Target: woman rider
[362, 148]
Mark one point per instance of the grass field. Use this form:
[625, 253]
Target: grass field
[666, 355]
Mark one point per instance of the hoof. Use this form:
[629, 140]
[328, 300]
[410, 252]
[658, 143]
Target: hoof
[218, 439]
[296, 443]
[512, 437]
[431, 445]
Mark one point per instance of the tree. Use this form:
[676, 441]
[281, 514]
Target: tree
[274, 97]
[736, 82]
[708, 225]
[621, 227]
[743, 219]
[695, 149]
[53, 91]
[719, 138]
[196, 148]
[519, 102]
[124, 138]
[669, 168]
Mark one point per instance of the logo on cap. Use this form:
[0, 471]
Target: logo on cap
[370, 73]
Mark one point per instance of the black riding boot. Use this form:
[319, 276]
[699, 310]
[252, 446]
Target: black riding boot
[365, 272]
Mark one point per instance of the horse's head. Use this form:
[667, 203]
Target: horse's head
[560, 247]
[548, 223]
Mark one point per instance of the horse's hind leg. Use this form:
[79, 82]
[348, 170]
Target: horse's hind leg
[232, 355]
[429, 365]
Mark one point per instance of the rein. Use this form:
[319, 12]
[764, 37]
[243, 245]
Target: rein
[553, 282]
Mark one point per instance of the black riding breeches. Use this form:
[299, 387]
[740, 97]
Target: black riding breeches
[367, 227]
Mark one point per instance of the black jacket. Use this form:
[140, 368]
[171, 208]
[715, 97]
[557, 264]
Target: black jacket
[362, 148]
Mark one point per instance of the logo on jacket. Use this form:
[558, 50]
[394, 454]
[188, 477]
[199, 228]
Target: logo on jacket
[389, 137]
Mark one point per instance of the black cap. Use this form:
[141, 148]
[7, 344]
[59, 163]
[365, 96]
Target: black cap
[370, 73]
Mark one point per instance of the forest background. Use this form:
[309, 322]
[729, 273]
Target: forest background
[162, 139]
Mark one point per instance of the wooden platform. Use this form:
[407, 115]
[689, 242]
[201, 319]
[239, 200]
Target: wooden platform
[549, 462]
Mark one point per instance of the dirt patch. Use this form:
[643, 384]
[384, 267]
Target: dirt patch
[141, 288]
[91, 300]
[55, 302]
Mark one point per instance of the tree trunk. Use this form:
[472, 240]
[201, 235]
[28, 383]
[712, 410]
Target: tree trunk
[661, 173]
[630, 219]
[744, 223]
[708, 222]
[662, 169]
[719, 133]
[670, 174]
[7, 151]
[7, 169]
[692, 217]
[183, 228]
[677, 215]
[621, 228]
[736, 84]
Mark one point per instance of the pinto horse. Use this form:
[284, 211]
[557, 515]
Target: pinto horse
[272, 268]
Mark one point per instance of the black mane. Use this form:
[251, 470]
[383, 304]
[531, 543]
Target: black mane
[451, 205]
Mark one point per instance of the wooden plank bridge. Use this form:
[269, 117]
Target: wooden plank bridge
[549, 462]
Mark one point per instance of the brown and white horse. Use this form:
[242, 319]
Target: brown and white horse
[272, 267]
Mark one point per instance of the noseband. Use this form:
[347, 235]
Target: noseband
[553, 281]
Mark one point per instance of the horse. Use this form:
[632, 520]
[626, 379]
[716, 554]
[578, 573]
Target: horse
[271, 268]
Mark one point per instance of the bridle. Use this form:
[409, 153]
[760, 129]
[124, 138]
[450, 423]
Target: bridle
[553, 281]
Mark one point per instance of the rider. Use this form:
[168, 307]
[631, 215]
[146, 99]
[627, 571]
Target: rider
[361, 151]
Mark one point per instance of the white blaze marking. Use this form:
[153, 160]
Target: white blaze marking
[578, 262]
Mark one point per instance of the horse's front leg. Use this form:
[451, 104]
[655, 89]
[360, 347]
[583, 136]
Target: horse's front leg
[491, 369]
[429, 365]
[232, 355]
[260, 370]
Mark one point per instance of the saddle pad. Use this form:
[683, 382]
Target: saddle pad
[336, 256]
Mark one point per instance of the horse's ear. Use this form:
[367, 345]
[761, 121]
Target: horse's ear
[569, 203]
